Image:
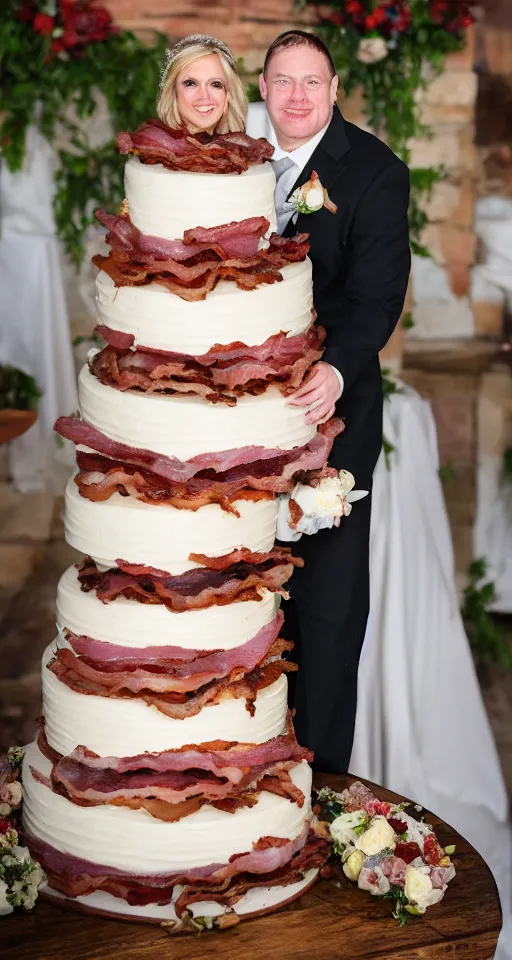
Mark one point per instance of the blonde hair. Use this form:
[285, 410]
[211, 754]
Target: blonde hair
[181, 55]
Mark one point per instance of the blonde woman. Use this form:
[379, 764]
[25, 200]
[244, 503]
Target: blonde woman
[201, 89]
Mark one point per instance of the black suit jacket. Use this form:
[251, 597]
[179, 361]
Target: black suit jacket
[361, 263]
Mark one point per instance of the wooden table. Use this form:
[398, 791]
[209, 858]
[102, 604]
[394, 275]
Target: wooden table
[328, 923]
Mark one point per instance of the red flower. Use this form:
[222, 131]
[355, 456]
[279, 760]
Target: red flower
[5, 825]
[380, 15]
[397, 825]
[43, 24]
[407, 851]
[354, 7]
[336, 18]
[57, 45]
[370, 22]
[432, 851]
[84, 24]
[26, 14]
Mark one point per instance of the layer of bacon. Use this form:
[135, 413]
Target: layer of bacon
[207, 478]
[236, 576]
[273, 861]
[192, 267]
[174, 784]
[155, 142]
[222, 381]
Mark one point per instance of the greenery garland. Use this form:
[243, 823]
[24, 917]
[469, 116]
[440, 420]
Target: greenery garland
[57, 55]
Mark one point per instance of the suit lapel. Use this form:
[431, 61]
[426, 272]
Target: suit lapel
[326, 160]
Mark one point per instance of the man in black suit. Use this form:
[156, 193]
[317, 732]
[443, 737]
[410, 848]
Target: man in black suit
[361, 264]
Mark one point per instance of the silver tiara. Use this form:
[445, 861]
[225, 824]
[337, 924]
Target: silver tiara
[196, 38]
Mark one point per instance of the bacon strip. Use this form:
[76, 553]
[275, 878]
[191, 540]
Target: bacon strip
[155, 142]
[166, 793]
[239, 239]
[170, 796]
[244, 577]
[190, 269]
[178, 706]
[279, 348]
[258, 467]
[223, 758]
[167, 676]
[273, 861]
[224, 381]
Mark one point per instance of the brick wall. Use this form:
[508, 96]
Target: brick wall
[248, 26]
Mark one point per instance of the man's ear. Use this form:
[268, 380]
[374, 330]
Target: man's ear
[334, 88]
[263, 86]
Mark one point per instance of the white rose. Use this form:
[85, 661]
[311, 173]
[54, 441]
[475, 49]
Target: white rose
[372, 49]
[379, 836]
[353, 866]
[314, 198]
[5, 906]
[322, 506]
[418, 889]
[343, 826]
[12, 793]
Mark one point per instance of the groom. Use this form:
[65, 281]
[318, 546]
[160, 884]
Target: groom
[361, 265]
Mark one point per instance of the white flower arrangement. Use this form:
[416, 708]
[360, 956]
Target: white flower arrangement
[386, 851]
[20, 876]
[309, 509]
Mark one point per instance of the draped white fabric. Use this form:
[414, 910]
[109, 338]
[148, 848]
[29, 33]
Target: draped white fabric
[421, 725]
[34, 328]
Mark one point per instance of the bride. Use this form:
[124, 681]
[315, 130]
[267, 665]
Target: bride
[201, 88]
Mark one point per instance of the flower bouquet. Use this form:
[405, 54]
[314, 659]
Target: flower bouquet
[385, 850]
[20, 876]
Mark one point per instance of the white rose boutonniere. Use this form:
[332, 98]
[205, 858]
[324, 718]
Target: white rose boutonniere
[310, 509]
[312, 196]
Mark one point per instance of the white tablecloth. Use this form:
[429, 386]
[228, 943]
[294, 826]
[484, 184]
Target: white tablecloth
[34, 328]
[421, 726]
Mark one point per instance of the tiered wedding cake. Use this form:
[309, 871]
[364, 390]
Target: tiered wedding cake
[166, 773]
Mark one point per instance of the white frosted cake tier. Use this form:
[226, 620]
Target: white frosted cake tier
[185, 427]
[116, 727]
[123, 528]
[128, 623]
[132, 840]
[158, 318]
[165, 203]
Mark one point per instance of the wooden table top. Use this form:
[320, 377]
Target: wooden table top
[327, 923]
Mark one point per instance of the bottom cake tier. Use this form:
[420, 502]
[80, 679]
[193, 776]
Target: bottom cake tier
[119, 860]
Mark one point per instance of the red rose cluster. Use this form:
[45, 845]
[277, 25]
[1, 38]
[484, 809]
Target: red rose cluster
[390, 17]
[387, 18]
[453, 15]
[76, 24]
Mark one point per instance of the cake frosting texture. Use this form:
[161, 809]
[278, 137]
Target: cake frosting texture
[165, 203]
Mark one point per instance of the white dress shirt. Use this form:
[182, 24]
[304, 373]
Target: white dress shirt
[284, 183]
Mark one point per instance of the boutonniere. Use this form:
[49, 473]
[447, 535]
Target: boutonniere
[312, 196]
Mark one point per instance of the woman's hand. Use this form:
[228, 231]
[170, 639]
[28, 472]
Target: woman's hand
[319, 392]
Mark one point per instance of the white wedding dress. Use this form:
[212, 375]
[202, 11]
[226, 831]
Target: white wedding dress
[421, 726]
[34, 328]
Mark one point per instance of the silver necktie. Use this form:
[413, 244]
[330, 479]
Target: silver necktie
[282, 189]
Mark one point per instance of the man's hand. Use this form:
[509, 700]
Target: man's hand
[319, 392]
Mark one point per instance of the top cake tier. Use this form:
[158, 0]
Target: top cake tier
[165, 203]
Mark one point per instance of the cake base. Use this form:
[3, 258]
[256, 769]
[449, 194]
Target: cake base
[255, 903]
